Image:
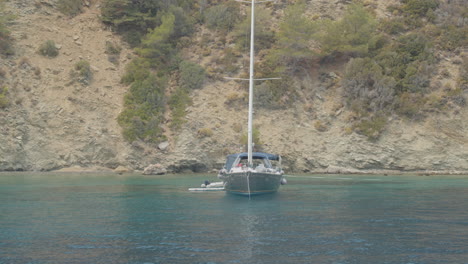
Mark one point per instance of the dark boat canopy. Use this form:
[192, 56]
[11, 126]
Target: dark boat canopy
[255, 155]
[244, 155]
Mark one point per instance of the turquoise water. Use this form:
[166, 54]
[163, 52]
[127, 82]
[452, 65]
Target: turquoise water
[99, 218]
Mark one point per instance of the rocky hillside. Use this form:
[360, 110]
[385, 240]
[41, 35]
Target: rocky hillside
[56, 121]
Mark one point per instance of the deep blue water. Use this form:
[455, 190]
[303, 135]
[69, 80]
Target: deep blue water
[107, 218]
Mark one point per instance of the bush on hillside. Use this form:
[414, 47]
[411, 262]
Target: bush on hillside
[143, 111]
[294, 37]
[228, 61]
[131, 19]
[223, 17]
[419, 8]
[371, 127]
[113, 52]
[192, 75]
[136, 70]
[453, 37]
[410, 105]
[417, 78]
[178, 103]
[6, 41]
[82, 72]
[355, 33]
[49, 49]
[364, 83]
[156, 47]
[70, 7]
[4, 102]
[393, 26]
[255, 138]
[205, 132]
[183, 23]
[264, 35]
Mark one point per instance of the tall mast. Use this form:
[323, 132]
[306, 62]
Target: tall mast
[251, 84]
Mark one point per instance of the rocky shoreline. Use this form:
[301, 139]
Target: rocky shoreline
[332, 171]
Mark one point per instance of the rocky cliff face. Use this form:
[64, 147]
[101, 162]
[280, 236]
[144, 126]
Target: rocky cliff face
[56, 122]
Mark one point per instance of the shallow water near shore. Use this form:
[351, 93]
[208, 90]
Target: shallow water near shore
[109, 218]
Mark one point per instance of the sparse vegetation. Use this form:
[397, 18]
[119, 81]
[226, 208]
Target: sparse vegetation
[113, 52]
[320, 126]
[205, 132]
[49, 49]
[192, 75]
[294, 40]
[222, 17]
[371, 127]
[178, 102]
[264, 35]
[4, 102]
[70, 7]
[6, 40]
[255, 138]
[235, 99]
[82, 72]
[355, 33]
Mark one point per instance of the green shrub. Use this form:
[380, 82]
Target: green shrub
[234, 99]
[132, 19]
[294, 37]
[410, 105]
[156, 46]
[371, 127]
[192, 75]
[183, 23]
[462, 81]
[136, 70]
[222, 17]
[393, 26]
[414, 46]
[417, 78]
[229, 61]
[264, 35]
[352, 34]
[178, 102]
[4, 102]
[82, 72]
[365, 83]
[255, 137]
[113, 52]
[205, 132]
[419, 7]
[320, 126]
[143, 112]
[113, 48]
[6, 41]
[453, 37]
[70, 7]
[49, 49]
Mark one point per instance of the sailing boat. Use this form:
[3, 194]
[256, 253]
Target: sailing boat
[251, 173]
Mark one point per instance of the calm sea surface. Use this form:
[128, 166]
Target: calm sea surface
[107, 218]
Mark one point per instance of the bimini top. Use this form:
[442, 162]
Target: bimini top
[255, 155]
[244, 155]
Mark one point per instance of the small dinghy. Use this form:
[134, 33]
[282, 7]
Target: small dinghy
[209, 186]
